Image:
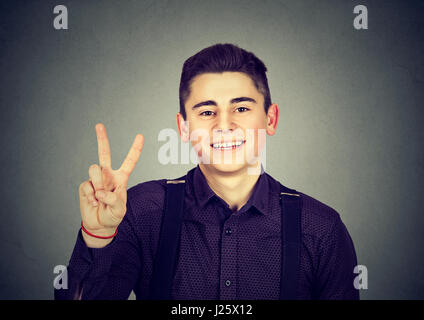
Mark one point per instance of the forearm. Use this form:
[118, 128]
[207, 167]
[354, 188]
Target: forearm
[103, 269]
[83, 266]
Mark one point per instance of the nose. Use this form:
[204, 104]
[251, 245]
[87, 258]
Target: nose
[224, 123]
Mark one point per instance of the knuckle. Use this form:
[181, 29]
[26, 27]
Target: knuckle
[84, 187]
[81, 186]
[92, 168]
[88, 188]
[104, 153]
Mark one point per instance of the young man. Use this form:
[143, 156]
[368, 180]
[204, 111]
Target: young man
[230, 244]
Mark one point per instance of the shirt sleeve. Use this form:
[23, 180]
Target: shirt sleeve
[335, 276]
[104, 273]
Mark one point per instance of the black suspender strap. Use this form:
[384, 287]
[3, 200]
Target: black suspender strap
[291, 204]
[166, 256]
[169, 240]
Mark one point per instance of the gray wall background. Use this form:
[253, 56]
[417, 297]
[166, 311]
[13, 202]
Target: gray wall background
[349, 132]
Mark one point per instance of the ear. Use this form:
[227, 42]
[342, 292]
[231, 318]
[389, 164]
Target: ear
[183, 128]
[272, 119]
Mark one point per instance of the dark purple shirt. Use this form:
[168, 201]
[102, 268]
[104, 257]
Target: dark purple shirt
[223, 254]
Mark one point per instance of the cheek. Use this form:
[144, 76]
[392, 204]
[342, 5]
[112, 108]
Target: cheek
[256, 120]
[256, 140]
[261, 136]
[199, 138]
[260, 133]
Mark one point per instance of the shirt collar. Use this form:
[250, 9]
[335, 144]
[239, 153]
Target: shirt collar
[259, 198]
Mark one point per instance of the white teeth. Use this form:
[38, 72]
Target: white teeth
[227, 145]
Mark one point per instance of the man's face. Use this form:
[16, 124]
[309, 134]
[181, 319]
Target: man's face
[227, 123]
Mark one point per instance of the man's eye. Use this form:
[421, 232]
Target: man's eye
[206, 113]
[244, 109]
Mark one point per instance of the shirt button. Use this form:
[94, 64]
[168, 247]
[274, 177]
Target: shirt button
[228, 283]
[228, 231]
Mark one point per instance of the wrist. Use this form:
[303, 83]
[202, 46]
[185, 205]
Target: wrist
[99, 234]
[95, 243]
[98, 238]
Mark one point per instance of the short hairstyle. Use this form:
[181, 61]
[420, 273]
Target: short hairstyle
[221, 58]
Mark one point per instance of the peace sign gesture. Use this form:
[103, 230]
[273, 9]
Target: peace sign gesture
[103, 198]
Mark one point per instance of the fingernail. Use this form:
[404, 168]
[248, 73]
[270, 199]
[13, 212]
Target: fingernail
[94, 203]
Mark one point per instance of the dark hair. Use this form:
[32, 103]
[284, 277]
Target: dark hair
[220, 58]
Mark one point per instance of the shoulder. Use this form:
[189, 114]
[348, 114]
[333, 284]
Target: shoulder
[318, 218]
[147, 195]
[318, 209]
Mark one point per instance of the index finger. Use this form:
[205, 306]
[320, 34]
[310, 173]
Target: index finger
[103, 146]
[133, 155]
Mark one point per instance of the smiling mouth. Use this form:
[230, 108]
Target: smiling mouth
[228, 145]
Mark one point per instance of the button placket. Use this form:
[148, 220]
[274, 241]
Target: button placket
[229, 260]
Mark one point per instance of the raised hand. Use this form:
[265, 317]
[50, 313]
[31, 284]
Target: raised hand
[103, 197]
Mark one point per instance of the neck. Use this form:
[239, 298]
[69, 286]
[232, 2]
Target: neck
[235, 188]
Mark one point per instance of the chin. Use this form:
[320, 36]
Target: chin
[231, 168]
[227, 168]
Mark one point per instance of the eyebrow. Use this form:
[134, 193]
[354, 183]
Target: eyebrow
[213, 103]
